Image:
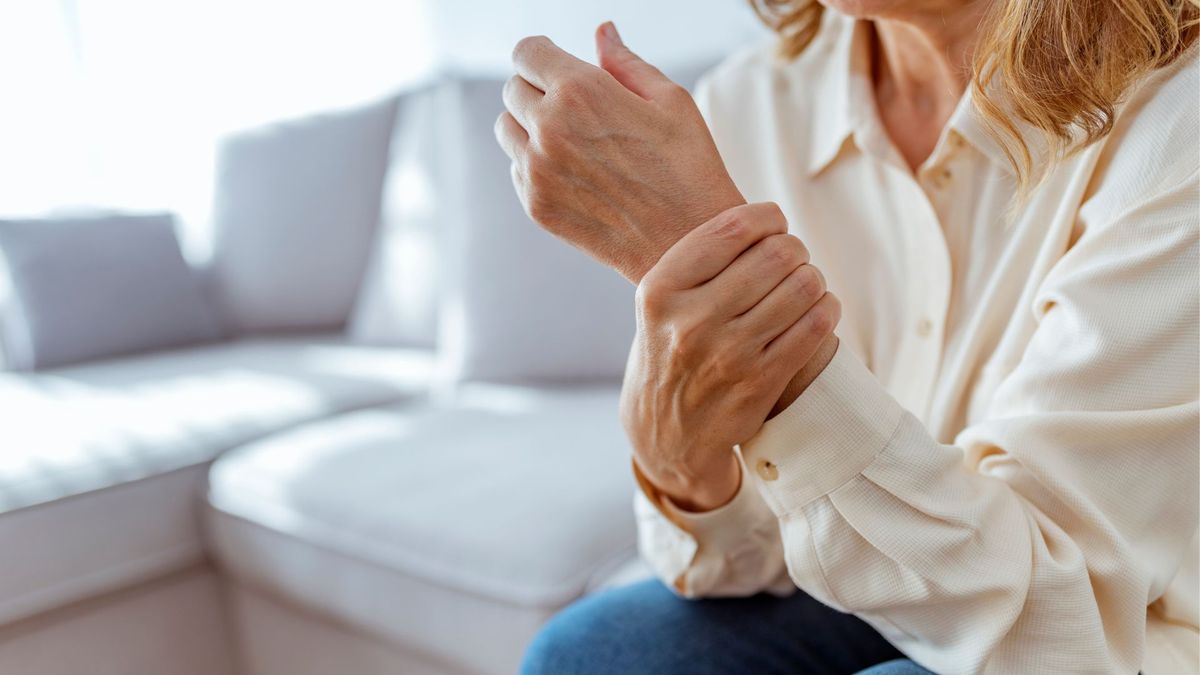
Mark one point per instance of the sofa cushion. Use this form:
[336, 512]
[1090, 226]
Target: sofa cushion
[102, 464]
[97, 286]
[295, 210]
[452, 529]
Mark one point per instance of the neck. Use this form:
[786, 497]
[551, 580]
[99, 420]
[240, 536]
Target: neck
[925, 60]
[921, 65]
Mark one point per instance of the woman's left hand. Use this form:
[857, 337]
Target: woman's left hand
[616, 160]
[724, 320]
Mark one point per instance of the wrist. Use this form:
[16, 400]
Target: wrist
[698, 492]
[669, 233]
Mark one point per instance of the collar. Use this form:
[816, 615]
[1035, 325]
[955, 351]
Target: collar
[837, 104]
[835, 86]
[969, 124]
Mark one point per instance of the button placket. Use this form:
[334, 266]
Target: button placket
[938, 174]
[932, 296]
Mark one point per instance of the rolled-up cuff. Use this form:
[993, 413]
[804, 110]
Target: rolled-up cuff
[725, 527]
[670, 538]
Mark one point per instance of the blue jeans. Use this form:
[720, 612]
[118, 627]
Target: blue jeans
[645, 628]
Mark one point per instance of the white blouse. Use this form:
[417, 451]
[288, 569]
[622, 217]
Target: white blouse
[1000, 468]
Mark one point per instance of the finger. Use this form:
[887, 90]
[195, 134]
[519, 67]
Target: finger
[521, 99]
[511, 136]
[707, 250]
[543, 64]
[797, 345]
[754, 274]
[796, 294]
[628, 68]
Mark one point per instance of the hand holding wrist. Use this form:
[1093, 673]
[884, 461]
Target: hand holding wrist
[724, 319]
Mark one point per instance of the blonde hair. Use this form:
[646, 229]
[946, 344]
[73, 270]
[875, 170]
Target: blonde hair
[1059, 66]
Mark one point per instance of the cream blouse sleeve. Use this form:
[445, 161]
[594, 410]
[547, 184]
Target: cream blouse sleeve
[1036, 541]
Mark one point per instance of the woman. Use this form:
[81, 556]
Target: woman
[992, 465]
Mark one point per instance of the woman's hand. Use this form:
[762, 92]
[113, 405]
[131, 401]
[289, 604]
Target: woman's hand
[725, 320]
[616, 160]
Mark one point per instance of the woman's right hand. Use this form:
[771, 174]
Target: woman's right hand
[726, 319]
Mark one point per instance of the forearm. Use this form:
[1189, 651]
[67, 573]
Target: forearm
[979, 563]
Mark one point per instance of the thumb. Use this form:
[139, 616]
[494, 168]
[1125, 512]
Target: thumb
[628, 68]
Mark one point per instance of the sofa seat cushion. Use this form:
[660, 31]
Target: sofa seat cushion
[455, 529]
[101, 465]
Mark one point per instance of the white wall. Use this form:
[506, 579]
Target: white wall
[479, 35]
[119, 102]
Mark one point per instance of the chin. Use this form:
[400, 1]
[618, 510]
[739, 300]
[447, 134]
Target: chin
[872, 9]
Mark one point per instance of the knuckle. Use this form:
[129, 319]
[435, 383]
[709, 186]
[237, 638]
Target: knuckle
[732, 227]
[774, 212]
[537, 206]
[540, 213]
[528, 46]
[534, 192]
[676, 95]
[820, 321]
[500, 126]
[650, 297]
[810, 281]
[835, 310]
[539, 174]
[769, 216]
[825, 316]
[571, 93]
[779, 250]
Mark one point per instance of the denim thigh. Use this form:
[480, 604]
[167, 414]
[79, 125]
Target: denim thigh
[645, 628]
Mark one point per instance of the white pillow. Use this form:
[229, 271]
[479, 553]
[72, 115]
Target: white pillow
[85, 288]
[519, 305]
[296, 205]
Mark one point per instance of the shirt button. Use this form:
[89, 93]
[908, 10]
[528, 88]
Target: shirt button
[767, 470]
[924, 327]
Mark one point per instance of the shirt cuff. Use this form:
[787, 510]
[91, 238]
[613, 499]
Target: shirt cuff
[725, 527]
[686, 547]
[826, 437]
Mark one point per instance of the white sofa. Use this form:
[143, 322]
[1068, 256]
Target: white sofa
[402, 491]
[104, 566]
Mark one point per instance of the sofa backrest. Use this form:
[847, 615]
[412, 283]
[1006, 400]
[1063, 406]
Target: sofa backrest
[295, 210]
